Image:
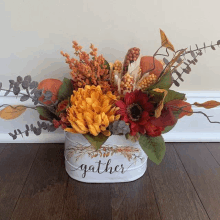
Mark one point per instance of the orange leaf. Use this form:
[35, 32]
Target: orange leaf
[208, 104]
[165, 42]
[160, 105]
[12, 112]
[175, 105]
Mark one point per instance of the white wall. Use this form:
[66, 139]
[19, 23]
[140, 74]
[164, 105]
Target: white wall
[34, 31]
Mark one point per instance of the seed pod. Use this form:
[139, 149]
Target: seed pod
[116, 70]
[146, 81]
[131, 56]
[127, 83]
[117, 66]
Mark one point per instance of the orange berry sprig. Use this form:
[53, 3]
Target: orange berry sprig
[86, 71]
[131, 56]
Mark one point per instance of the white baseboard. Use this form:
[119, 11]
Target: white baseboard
[195, 128]
[192, 137]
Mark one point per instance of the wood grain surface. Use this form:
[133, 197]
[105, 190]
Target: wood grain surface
[42, 196]
[2, 147]
[134, 200]
[15, 163]
[176, 195]
[204, 172]
[34, 185]
[87, 201]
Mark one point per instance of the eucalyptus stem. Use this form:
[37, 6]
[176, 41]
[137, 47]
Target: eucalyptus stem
[12, 91]
[28, 92]
[202, 48]
[18, 106]
[51, 108]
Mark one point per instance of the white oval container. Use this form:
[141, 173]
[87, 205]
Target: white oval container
[118, 160]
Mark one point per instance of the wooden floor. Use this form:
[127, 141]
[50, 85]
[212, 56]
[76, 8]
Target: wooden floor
[34, 185]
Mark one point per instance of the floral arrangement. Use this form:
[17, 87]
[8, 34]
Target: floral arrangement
[131, 98]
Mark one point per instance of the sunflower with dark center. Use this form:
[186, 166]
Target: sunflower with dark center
[136, 110]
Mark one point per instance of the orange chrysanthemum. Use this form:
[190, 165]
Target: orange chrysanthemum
[91, 111]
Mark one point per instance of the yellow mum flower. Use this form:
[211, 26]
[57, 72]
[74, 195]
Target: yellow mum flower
[91, 111]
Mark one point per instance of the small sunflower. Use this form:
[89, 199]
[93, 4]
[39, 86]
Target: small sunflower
[91, 111]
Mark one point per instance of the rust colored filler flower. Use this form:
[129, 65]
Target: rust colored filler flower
[88, 70]
[91, 111]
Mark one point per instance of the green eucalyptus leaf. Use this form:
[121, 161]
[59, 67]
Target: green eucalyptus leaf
[33, 85]
[19, 79]
[96, 141]
[25, 84]
[27, 78]
[66, 90]
[172, 95]
[154, 147]
[14, 136]
[16, 90]
[24, 98]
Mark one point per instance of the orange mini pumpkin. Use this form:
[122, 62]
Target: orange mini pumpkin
[147, 64]
[52, 85]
